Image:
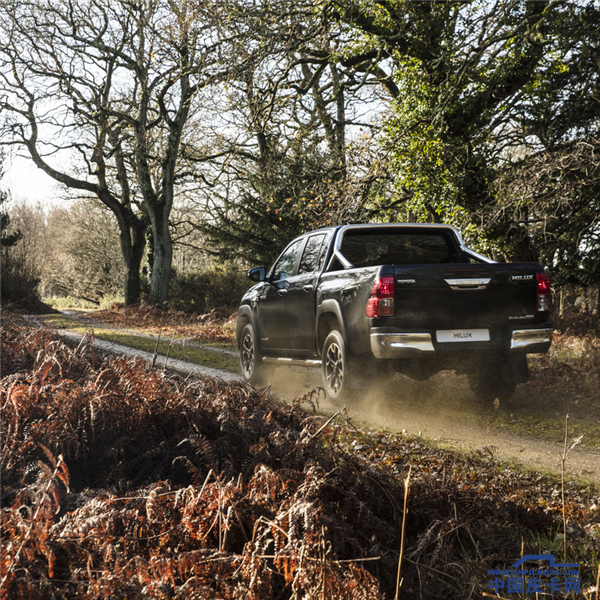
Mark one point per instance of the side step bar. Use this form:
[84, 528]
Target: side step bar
[290, 362]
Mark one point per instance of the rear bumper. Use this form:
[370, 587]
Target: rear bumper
[530, 339]
[395, 344]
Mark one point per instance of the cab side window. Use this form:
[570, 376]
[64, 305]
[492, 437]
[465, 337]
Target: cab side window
[284, 267]
[313, 255]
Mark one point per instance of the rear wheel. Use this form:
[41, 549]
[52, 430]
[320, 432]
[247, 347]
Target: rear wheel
[489, 386]
[498, 377]
[334, 367]
[251, 363]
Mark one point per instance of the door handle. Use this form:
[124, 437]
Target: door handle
[308, 288]
[281, 292]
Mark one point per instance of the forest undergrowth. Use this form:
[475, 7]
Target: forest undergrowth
[123, 482]
[217, 326]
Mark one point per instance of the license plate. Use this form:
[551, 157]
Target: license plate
[463, 335]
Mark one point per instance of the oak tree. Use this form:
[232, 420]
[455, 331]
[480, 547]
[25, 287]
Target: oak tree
[99, 93]
[483, 91]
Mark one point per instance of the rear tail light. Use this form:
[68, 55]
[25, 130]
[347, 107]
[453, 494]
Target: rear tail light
[381, 298]
[544, 298]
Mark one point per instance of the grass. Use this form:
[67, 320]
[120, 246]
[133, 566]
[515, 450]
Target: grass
[176, 349]
[549, 428]
[199, 356]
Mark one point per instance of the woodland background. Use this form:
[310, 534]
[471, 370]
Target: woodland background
[191, 139]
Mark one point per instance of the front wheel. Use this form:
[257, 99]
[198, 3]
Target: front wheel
[251, 363]
[334, 367]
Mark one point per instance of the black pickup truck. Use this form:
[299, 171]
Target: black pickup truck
[365, 301]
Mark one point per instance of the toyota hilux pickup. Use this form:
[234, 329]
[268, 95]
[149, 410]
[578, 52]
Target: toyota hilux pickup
[367, 301]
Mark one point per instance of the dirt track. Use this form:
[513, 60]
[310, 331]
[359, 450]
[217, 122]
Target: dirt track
[181, 366]
[442, 410]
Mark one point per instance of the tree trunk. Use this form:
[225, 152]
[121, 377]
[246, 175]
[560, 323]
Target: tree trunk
[163, 255]
[133, 243]
[524, 250]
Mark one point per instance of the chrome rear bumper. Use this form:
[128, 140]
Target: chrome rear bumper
[387, 345]
[529, 337]
[395, 345]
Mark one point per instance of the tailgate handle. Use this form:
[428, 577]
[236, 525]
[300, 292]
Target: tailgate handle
[480, 283]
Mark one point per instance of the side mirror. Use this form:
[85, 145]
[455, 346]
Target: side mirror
[258, 274]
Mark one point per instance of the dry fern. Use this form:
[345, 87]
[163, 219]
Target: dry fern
[122, 482]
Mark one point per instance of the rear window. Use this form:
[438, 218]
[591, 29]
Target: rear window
[312, 258]
[365, 248]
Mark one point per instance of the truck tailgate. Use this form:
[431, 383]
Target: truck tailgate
[466, 296]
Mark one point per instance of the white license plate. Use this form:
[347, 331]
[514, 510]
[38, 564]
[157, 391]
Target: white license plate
[463, 335]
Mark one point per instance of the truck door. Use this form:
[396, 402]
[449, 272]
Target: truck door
[272, 313]
[301, 296]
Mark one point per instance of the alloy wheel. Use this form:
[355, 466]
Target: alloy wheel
[334, 368]
[248, 355]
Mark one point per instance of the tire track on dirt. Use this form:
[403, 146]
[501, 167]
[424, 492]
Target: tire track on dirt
[435, 411]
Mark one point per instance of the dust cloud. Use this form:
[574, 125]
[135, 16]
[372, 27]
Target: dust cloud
[443, 410]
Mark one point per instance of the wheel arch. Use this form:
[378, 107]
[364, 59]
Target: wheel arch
[329, 317]
[244, 316]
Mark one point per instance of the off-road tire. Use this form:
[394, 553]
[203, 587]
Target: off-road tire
[335, 368]
[253, 369]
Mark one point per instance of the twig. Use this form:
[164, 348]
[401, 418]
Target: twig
[314, 559]
[271, 524]
[156, 350]
[167, 357]
[362, 435]
[210, 473]
[428, 568]
[323, 558]
[314, 435]
[474, 542]
[563, 456]
[562, 488]
[92, 335]
[404, 513]
[190, 374]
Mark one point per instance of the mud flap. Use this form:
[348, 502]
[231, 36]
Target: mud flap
[516, 368]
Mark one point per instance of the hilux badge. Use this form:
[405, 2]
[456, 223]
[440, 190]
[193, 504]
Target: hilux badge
[521, 277]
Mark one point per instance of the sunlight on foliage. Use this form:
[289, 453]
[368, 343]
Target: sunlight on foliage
[119, 481]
